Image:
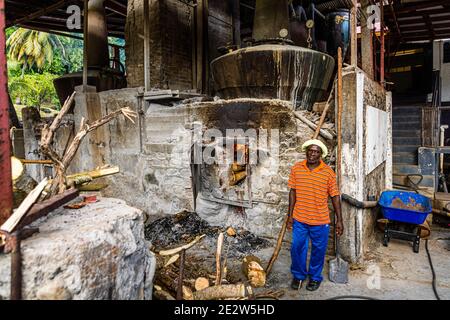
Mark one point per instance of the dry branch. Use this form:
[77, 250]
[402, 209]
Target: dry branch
[184, 247]
[161, 294]
[61, 163]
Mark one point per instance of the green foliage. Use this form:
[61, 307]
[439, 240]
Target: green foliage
[34, 89]
[30, 48]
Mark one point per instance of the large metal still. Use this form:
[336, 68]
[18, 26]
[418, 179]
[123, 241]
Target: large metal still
[291, 55]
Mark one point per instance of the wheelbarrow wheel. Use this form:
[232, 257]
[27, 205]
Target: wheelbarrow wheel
[385, 241]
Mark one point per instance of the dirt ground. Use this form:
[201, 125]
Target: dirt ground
[403, 274]
[388, 273]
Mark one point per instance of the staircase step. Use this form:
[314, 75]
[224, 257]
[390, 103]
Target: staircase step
[405, 148]
[405, 158]
[405, 169]
[406, 133]
[406, 126]
[428, 181]
[406, 118]
[407, 110]
[417, 141]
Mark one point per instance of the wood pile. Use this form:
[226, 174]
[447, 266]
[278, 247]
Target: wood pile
[178, 277]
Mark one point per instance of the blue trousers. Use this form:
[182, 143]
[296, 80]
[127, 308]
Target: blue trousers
[301, 233]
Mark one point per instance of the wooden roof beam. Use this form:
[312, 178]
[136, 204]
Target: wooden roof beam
[42, 12]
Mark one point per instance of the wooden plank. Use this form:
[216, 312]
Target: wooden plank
[442, 196]
[32, 197]
[38, 210]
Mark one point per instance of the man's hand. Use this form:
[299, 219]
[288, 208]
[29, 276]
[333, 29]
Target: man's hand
[339, 228]
[289, 222]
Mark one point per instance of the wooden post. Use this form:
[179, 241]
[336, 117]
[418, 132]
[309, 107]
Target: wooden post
[85, 45]
[146, 45]
[205, 46]
[199, 21]
[354, 34]
[366, 42]
[6, 194]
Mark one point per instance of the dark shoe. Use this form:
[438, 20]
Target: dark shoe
[313, 285]
[296, 284]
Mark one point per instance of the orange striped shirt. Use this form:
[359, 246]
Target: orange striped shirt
[312, 189]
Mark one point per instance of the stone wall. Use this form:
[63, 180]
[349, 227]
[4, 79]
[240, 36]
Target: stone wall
[96, 252]
[154, 156]
[365, 172]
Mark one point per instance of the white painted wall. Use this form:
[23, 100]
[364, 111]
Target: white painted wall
[438, 57]
[376, 138]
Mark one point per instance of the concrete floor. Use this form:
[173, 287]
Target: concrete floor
[403, 274]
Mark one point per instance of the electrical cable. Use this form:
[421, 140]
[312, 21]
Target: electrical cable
[432, 271]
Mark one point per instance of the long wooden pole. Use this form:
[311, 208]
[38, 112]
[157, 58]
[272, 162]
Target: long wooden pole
[278, 246]
[339, 116]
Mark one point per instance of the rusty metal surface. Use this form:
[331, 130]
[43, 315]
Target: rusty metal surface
[41, 209]
[280, 72]
[6, 197]
[271, 20]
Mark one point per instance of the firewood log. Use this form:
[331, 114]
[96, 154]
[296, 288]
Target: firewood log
[221, 292]
[253, 270]
[23, 184]
[201, 283]
[161, 294]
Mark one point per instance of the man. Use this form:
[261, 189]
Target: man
[311, 182]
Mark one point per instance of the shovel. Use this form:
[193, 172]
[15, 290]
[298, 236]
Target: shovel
[338, 272]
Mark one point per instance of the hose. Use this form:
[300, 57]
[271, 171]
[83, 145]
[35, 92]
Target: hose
[352, 297]
[370, 298]
[432, 271]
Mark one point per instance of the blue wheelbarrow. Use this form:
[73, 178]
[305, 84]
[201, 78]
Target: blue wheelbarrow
[409, 208]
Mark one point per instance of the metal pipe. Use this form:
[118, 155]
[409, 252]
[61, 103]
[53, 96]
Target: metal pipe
[357, 203]
[442, 143]
[6, 195]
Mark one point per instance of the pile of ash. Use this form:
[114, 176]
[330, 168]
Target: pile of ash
[179, 229]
